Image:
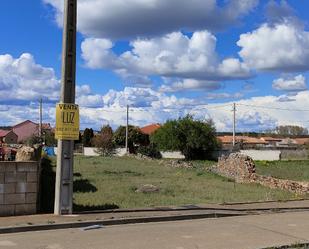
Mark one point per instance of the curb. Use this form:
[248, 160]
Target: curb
[20, 229]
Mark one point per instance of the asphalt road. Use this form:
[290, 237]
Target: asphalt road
[256, 231]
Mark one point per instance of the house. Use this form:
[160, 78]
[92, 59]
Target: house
[25, 130]
[8, 137]
[149, 129]
[272, 141]
[301, 141]
[242, 140]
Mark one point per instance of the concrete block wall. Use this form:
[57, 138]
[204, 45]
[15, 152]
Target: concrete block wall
[18, 188]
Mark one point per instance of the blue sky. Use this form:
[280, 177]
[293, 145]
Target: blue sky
[164, 59]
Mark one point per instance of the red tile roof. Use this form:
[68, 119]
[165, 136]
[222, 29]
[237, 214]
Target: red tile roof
[149, 129]
[25, 130]
[301, 141]
[245, 139]
[272, 139]
[3, 133]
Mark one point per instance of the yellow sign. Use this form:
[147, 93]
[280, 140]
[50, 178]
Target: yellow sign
[67, 122]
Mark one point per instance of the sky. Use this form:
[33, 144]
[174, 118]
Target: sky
[165, 59]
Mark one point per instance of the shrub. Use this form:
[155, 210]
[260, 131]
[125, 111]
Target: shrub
[195, 139]
[104, 141]
[150, 151]
[135, 137]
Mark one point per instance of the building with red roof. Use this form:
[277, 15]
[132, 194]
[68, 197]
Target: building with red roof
[8, 137]
[149, 129]
[25, 130]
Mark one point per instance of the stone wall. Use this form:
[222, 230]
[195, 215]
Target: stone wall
[241, 168]
[18, 188]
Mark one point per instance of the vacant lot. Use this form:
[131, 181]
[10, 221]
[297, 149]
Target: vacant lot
[111, 182]
[293, 170]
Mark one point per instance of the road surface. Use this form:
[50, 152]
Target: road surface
[255, 231]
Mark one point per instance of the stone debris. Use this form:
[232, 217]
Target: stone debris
[241, 168]
[179, 164]
[236, 166]
[147, 188]
[26, 153]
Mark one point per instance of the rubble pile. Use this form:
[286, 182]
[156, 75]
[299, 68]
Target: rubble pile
[241, 168]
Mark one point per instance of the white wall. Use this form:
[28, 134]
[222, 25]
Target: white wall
[172, 154]
[91, 151]
[267, 155]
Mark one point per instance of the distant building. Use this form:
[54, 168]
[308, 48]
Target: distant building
[272, 141]
[25, 130]
[149, 129]
[8, 137]
[244, 141]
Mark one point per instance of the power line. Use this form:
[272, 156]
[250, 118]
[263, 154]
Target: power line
[275, 108]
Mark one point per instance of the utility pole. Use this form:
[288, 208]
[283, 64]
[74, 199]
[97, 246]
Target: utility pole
[127, 130]
[64, 173]
[41, 115]
[234, 124]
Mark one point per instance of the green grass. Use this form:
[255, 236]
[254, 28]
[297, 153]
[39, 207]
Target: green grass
[111, 182]
[292, 170]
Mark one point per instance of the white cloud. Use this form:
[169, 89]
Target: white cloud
[22, 79]
[140, 18]
[188, 84]
[279, 47]
[148, 106]
[174, 55]
[237, 95]
[298, 83]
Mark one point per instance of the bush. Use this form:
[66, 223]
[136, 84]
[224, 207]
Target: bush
[104, 141]
[195, 139]
[150, 151]
[135, 137]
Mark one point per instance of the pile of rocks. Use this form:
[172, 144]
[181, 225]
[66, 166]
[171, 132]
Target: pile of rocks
[241, 168]
[237, 166]
[271, 182]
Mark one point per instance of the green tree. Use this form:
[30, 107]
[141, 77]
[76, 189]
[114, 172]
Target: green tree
[194, 138]
[135, 137]
[104, 141]
[291, 130]
[49, 138]
[87, 137]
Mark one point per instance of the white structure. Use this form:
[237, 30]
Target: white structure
[266, 155]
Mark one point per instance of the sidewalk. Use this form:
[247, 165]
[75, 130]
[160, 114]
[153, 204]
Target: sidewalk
[125, 216]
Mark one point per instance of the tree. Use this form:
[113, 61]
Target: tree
[87, 137]
[194, 138]
[135, 137]
[49, 138]
[104, 141]
[291, 130]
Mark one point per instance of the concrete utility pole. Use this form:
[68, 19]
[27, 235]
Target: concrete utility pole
[41, 117]
[234, 124]
[127, 130]
[64, 174]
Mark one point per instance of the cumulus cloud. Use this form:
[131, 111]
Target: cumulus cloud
[149, 106]
[22, 79]
[296, 84]
[237, 95]
[280, 12]
[188, 84]
[118, 19]
[279, 47]
[174, 55]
